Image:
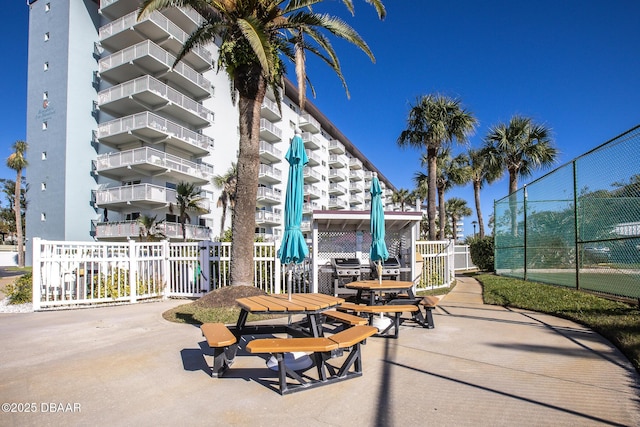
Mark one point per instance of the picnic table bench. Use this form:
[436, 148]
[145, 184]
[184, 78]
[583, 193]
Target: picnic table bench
[323, 349]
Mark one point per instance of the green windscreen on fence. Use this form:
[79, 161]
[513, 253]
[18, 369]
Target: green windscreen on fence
[578, 226]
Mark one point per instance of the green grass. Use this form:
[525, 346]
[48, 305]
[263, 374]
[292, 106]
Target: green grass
[192, 314]
[616, 321]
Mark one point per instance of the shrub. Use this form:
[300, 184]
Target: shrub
[481, 250]
[20, 291]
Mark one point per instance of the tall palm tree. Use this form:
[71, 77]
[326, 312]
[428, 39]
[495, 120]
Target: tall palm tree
[227, 199]
[18, 161]
[253, 35]
[456, 209]
[401, 197]
[520, 147]
[421, 182]
[150, 230]
[451, 172]
[480, 172]
[188, 199]
[434, 123]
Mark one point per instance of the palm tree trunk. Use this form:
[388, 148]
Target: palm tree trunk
[18, 214]
[476, 194]
[513, 200]
[252, 88]
[431, 191]
[442, 213]
[223, 219]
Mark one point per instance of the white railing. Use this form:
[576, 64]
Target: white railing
[462, 259]
[74, 274]
[438, 263]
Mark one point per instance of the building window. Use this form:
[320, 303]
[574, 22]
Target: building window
[46, 66]
[45, 125]
[43, 216]
[46, 36]
[47, 7]
[43, 186]
[44, 155]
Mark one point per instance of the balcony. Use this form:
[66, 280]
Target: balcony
[151, 162]
[311, 141]
[270, 132]
[125, 230]
[153, 129]
[336, 147]
[185, 17]
[311, 175]
[146, 196]
[305, 226]
[270, 154]
[127, 31]
[337, 189]
[309, 124]
[268, 218]
[269, 175]
[337, 161]
[355, 199]
[309, 207]
[356, 187]
[336, 203]
[116, 8]
[355, 163]
[336, 175]
[147, 93]
[147, 58]
[270, 110]
[356, 175]
[312, 192]
[269, 196]
[368, 175]
[314, 158]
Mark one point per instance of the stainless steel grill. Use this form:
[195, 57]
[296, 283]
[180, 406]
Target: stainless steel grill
[345, 268]
[390, 268]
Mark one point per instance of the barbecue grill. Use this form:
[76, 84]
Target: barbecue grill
[346, 270]
[390, 268]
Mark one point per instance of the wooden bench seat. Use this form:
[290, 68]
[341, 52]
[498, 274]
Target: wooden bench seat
[224, 345]
[371, 310]
[323, 349]
[429, 303]
[345, 318]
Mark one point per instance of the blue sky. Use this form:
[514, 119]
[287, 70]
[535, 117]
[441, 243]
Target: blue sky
[571, 65]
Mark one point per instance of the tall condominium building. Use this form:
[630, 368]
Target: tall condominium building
[113, 127]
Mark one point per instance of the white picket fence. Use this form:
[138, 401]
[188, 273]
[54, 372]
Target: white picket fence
[76, 274]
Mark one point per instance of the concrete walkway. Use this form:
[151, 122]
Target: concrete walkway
[481, 365]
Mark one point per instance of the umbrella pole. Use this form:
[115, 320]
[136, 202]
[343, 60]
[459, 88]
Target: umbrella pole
[380, 272]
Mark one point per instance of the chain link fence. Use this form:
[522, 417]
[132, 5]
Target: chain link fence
[579, 225]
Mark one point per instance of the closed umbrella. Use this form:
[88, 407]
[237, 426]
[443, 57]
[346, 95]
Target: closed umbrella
[379, 250]
[294, 248]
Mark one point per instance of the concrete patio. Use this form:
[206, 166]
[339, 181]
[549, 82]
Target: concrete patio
[481, 365]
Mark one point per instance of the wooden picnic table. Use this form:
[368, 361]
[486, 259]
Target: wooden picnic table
[310, 305]
[375, 286]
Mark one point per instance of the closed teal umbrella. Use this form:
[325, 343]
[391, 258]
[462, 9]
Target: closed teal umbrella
[378, 250]
[294, 248]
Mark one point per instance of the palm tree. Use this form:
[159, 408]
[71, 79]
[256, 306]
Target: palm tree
[480, 173]
[253, 35]
[520, 147]
[400, 197]
[456, 209]
[451, 172]
[435, 122]
[227, 183]
[188, 200]
[18, 161]
[150, 230]
[421, 182]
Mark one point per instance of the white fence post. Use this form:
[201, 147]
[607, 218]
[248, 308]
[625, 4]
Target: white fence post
[36, 273]
[133, 267]
[277, 267]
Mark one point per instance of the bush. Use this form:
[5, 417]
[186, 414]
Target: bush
[20, 291]
[481, 250]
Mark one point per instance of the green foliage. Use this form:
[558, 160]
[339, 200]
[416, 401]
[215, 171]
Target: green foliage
[116, 285]
[21, 290]
[481, 250]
